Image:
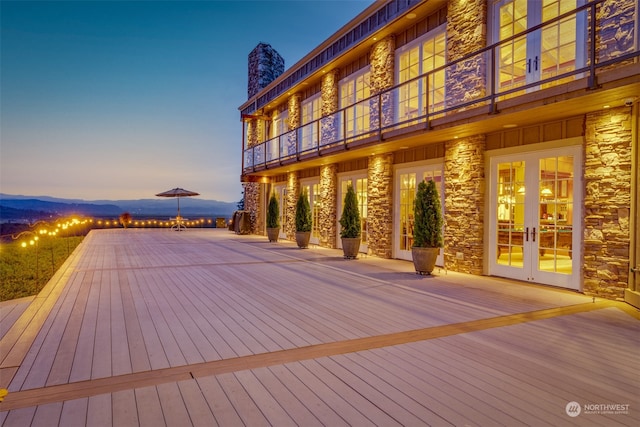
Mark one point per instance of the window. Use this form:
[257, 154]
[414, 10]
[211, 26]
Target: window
[420, 95]
[354, 90]
[310, 113]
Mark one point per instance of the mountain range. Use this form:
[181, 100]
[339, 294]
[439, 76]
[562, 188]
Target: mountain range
[30, 208]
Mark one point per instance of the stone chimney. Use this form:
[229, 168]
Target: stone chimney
[265, 65]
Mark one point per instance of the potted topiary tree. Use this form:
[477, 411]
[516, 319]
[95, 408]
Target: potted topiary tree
[427, 230]
[273, 219]
[303, 220]
[350, 223]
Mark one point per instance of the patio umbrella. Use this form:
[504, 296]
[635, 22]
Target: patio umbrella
[178, 192]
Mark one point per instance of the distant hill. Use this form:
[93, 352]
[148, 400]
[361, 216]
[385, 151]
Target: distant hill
[30, 208]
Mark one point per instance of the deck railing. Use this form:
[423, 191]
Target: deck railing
[401, 107]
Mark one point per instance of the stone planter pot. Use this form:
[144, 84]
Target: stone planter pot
[302, 239]
[273, 233]
[350, 247]
[424, 259]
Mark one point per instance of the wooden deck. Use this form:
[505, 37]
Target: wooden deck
[151, 327]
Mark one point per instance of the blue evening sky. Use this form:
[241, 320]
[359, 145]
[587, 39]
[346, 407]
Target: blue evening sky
[122, 100]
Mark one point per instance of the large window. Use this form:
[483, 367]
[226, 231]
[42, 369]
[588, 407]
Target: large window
[425, 94]
[543, 54]
[353, 91]
[309, 132]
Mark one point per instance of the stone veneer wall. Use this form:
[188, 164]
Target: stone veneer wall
[252, 193]
[293, 191]
[329, 104]
[607, 203]
[329, 207]
[382, 59]
[464, 186]
[380, 205]
[466, 33]
[294, 109]
[616, 23]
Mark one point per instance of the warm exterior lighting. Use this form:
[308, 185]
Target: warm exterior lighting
[411, 15]
[510, 126]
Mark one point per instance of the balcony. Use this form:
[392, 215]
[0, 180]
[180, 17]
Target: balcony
[442, 104]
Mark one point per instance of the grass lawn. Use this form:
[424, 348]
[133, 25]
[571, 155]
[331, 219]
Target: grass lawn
[25, 270]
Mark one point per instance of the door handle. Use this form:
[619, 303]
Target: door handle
[529, 65]
[526, 234]
[533, 234]
[535, 64]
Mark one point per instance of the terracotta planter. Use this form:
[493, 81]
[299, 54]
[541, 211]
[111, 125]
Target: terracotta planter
[424, 259]
[272, 233]
[351, 247]
[302, 239]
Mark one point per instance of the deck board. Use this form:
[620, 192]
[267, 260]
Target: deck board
[250, 333]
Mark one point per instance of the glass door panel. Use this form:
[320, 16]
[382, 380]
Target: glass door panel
[555, 234]
[510, 214]
[407, 197]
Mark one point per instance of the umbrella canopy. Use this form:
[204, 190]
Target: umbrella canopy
[178, 192]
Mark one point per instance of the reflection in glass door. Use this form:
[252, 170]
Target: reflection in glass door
[533, 215]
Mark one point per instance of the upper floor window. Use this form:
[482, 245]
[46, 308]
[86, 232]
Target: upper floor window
[421, 93]
[543, 54]
[280, 124]
[354, 91]
[310, 113]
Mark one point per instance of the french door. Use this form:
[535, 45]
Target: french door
[542, 54]
[406, 185]
[535, 216]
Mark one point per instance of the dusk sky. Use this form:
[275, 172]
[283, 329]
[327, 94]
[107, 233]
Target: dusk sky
[122, 100]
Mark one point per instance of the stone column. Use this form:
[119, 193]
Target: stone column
[380, 205]
[252, 197]
[294, 108]
[329, 125]
[466, 33]
[252, 189]
[607, 202]
[293, 192]
[382, 58]
[329, 205]
[464, 189]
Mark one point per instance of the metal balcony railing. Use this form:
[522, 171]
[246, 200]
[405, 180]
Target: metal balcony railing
[423, 99]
